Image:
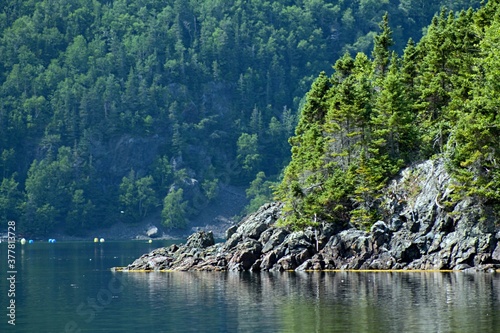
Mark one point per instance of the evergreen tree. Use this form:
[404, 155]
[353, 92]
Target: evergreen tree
[474, 143]
[174, 209]
[259, 192]
[394, 130]
[248, 154]
[10, 200]
[303, 177]
[381, 53]
[434, 83]
[137, 197]
[387, 113]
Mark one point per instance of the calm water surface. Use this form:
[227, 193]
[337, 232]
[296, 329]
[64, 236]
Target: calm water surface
[68, 287]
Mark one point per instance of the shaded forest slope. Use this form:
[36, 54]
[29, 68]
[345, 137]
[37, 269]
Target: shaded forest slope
[110, 110]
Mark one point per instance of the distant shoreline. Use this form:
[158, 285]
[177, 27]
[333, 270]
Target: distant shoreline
[217, 217]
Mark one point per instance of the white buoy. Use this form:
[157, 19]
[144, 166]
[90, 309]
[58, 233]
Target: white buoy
[96, 240]
[101, 240]
[150, 241]
[23, 241]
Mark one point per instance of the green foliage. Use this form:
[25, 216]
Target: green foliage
[248, 153]
[162, 173]
[259, 192]
[174, 209]
[210, 188]
[474, 146]
[57, 193]
[383, 41]
[215, 86]
[10, 200]
[81, 211]
[137, 197]
[39, 220]
[302, 175]
[373, 117]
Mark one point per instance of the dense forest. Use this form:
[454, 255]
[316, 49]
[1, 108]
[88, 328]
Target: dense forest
[377, 114]
[114, 109]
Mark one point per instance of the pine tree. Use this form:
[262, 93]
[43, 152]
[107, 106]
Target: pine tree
[474, 144]
[434, 83]
[174, 209]
[381, 50]
[409, 70]
[393, 120]
[304, 175]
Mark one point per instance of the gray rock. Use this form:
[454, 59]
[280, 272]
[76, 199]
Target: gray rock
[277, 237]
[254, 227]
[496, 254]
[286, 263]
[246, 254]
[232, 241]
[152, 232]
[380, 233]
[230, 231]
[297, 241]
[268, 261]
[422, 229]
[200, 239]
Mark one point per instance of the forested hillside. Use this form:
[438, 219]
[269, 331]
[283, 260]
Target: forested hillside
[381, 112]
[111, 110]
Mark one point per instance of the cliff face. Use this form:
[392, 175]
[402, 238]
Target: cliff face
[422, 229]
[429, 231]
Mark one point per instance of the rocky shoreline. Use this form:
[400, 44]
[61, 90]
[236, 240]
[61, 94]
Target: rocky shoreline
[422, 229]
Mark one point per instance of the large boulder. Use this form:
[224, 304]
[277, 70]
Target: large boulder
[152, 231]
[200, 239]
[255, 224]
[246, 254]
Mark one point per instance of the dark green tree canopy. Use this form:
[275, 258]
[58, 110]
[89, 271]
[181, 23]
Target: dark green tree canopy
[191, 95]
[440, 98]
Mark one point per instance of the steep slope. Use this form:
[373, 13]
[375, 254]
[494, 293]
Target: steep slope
[113, 110]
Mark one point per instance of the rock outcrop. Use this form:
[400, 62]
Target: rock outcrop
[423, 229]
[152, 231]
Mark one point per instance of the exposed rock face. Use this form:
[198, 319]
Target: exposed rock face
[422, 229]
[152, 231]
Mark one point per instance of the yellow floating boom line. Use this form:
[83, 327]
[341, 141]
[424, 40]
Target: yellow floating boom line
[124, 269]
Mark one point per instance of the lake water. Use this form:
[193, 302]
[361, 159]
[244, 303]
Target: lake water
[68, 287]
